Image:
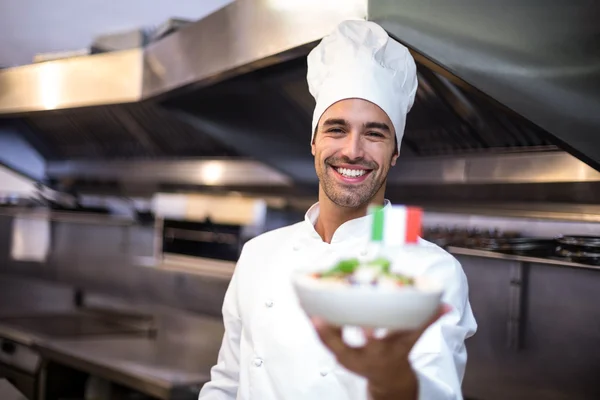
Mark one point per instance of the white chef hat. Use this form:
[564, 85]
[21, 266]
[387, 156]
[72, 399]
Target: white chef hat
[360, 60]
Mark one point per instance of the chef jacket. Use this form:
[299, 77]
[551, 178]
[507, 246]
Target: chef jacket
[271, 351]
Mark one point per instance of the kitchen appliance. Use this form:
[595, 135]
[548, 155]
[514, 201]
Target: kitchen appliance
[202, 239]
[466, 237]
[526, 246]
[581, 249]
[575, 248]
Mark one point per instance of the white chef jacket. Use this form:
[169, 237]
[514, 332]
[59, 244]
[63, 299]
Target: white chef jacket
[270, 350]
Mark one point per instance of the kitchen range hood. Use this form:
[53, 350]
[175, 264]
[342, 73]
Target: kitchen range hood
[509, 94]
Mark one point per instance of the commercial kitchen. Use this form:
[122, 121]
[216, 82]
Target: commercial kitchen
[132, 175]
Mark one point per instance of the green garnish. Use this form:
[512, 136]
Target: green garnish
[383, 263]
[343, 267]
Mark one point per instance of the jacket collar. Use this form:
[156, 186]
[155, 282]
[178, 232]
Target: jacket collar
[355, 228]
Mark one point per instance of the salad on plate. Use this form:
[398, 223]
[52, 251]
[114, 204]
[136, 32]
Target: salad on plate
[375, 273]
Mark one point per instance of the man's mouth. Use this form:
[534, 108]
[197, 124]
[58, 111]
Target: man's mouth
[351, 173]
[348, 174]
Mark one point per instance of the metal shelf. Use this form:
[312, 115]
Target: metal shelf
[512, 257]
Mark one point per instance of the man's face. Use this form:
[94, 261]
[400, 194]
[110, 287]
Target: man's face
[354, 149]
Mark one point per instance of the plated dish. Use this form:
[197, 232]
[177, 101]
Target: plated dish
[372, 293]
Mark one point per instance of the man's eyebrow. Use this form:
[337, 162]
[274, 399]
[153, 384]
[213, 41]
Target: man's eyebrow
[335, 121]
[377, 125]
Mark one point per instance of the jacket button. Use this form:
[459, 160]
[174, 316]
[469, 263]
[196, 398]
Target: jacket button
[269, 303]
[324, 373]
[258, 362]
[296, 247]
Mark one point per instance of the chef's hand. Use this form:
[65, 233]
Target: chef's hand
[383, 362]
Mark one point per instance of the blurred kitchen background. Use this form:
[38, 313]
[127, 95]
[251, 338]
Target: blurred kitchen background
[143, 143]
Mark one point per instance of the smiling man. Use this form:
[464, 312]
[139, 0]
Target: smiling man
[364, 84]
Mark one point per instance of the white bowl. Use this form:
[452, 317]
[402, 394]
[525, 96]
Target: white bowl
[394, 308]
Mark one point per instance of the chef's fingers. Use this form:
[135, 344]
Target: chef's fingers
[332, 337]
[369, 333]
[415, 334]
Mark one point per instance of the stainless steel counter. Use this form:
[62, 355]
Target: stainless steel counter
[159, 367]
[512, 257]
[172, 365]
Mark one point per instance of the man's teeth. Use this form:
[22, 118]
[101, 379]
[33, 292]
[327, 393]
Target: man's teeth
[351, 173]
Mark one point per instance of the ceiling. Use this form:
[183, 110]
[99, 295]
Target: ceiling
[29, 27]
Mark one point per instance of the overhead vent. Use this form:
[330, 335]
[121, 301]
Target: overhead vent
[136, 130]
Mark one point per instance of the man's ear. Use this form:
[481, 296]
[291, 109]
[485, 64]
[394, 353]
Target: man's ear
[312, 149]
[396, 151]
[394, 158]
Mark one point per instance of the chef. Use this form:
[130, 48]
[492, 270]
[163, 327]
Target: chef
[364, 84]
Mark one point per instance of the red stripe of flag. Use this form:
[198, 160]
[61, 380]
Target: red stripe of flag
[413, 224]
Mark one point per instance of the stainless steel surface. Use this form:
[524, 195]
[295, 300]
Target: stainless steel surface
[539, 59]
[154, 367]
[106, 259]
[187, 56]
[491, 169]
[20, 356]
[588, 213]
[9, 392]
[242, 76]
[216, 172]
[125, 40]
[16, 335]
[78, 325]
[65, 216]
[276, 96]
[558, 357]
[517, 295]
[530, 168]
[525, 259]
[177, 361]
[76, 82]
[133, 130]
[505, 197]
[245, 35]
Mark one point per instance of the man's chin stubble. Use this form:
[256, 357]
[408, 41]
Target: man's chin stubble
[346, 200]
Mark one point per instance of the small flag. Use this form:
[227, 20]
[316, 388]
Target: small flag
[397, 225]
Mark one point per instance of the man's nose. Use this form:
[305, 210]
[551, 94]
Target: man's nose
[353, 146]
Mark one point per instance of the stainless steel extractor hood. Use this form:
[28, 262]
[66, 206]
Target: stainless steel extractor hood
[508, 87]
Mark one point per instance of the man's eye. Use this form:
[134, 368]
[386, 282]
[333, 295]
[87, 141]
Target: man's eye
[335, 130]
[376, 134]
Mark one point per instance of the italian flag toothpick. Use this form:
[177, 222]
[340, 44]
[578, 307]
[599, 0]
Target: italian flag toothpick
[396, 225]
